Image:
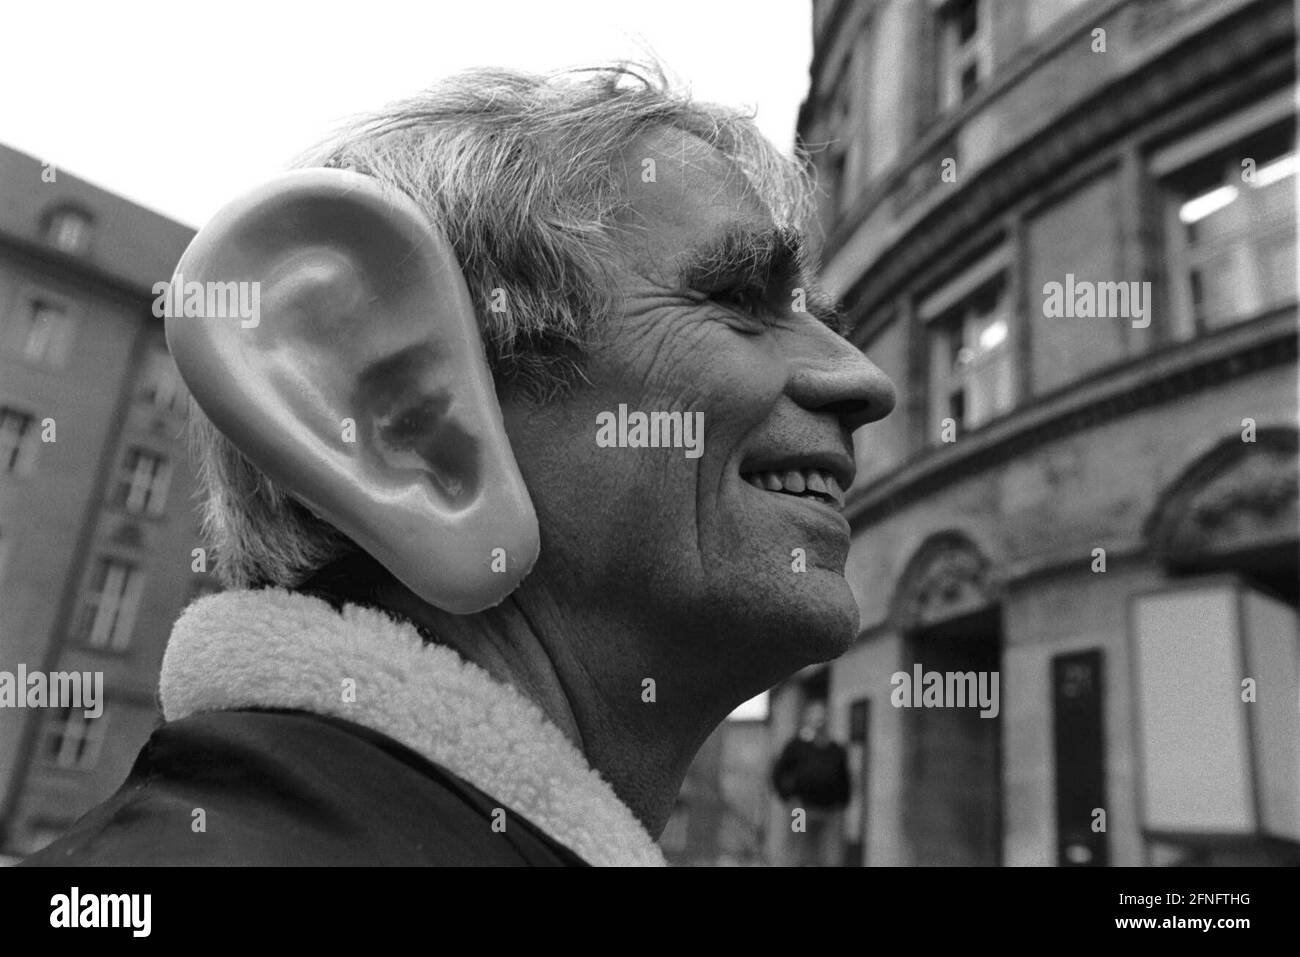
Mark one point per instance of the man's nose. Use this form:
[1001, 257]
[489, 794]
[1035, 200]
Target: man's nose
[840, 380]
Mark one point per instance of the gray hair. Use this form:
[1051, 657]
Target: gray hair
[518, 171]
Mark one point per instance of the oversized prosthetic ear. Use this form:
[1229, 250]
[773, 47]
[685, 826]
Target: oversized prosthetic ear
[322, 323]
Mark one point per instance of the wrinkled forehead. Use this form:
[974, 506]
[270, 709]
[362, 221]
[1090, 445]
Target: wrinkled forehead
[681, 191]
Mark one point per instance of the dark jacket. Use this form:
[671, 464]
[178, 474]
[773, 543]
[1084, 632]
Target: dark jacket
[815, 774]
[289, 787]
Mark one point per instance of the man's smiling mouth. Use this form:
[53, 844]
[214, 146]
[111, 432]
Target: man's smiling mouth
[808, 483]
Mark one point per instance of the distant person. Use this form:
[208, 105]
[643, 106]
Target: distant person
[812, 775]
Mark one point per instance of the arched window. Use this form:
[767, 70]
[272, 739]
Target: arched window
[946, 578]
[1234, 509]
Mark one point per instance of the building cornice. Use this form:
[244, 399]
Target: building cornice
[67, 266]
[1148, 380]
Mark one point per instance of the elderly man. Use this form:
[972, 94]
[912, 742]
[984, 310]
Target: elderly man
[488, 595]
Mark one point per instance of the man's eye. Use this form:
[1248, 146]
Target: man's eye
[751, 302]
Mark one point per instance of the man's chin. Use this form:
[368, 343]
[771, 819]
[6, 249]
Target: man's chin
[816, 624]
[827, 642]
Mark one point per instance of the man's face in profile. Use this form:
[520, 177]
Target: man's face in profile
[694, 548]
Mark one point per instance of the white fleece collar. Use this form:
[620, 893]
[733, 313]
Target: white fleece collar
[272, 648]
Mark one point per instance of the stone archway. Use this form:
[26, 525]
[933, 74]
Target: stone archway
[947, 577]
[1235, 508]
[947, 610]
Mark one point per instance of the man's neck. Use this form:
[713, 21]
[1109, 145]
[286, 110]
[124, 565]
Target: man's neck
[588, 673]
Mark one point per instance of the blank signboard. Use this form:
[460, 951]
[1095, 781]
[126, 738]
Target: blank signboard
[1192, 729]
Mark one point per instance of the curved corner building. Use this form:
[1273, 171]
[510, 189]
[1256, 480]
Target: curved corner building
[1067, 231]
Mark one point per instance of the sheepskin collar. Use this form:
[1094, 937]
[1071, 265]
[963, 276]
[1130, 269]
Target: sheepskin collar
[272, 648]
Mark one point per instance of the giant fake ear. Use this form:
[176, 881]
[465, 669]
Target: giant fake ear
[322, 323]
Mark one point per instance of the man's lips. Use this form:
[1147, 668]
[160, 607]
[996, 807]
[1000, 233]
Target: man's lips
[823, 509]
[821, 475]
[810, 483]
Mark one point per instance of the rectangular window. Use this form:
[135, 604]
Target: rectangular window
[74, 741]
[853, 121]
[160, 384]
[18, 439]
[45, 336]
[143, 482]
[970, 360]
[70, 229]
[109, 607]
[965, 50]
[1230, 221]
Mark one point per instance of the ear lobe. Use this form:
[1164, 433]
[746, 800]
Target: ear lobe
[322, 323]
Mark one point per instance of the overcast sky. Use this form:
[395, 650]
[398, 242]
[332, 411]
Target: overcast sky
[180, 107]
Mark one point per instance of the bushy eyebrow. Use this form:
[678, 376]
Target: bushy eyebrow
[754, 256]
[772, 262]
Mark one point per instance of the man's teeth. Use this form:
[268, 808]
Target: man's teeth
[799, 482]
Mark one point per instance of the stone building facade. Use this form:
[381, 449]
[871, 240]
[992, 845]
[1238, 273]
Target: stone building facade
[97, 517]
[1066, 230]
